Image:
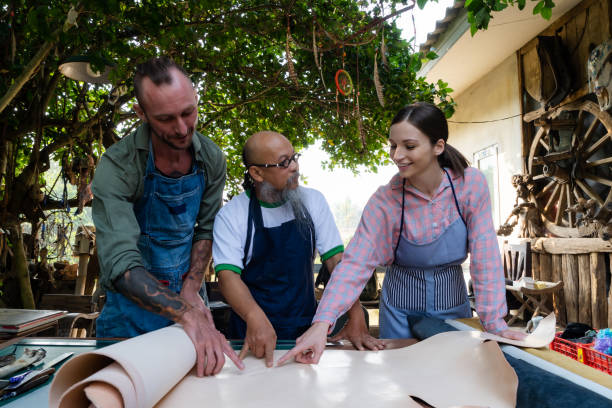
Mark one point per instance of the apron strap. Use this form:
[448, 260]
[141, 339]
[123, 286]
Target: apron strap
[252, 210]
[401, 219]
[455, 197]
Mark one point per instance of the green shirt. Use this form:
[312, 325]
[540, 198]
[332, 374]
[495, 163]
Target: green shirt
[118, 184]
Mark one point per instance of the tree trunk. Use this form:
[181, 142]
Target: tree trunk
[20, 269]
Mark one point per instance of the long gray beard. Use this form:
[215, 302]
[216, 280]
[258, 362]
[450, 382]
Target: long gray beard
[292, 196]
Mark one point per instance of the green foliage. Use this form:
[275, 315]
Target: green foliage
[480, 11]
[236, 55]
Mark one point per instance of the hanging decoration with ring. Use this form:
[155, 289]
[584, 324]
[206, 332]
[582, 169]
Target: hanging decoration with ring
[344, 83]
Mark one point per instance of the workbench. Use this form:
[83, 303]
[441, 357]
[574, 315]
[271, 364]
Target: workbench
[536, 387]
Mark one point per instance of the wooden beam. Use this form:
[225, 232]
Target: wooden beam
[570, 245]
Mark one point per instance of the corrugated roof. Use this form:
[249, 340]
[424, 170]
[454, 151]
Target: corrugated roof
[442, 25]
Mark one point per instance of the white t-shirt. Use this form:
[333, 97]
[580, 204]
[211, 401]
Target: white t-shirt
[229, 232]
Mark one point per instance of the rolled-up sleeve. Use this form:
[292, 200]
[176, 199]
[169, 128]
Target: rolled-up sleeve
[485, 260]
[117, 229]
[212, 198]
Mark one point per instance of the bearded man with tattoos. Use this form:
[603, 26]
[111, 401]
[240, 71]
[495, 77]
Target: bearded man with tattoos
[156, 193]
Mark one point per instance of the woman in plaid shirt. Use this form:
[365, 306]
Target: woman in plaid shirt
[422, 225]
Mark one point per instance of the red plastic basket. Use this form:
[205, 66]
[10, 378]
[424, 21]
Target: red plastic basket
[598, 360]
[583, 353]
[569, 348]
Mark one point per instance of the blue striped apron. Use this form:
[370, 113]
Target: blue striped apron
[425, 279]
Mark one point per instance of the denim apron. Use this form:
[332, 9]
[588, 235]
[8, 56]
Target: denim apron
[166, 214]
[425, 279]
[279, 275]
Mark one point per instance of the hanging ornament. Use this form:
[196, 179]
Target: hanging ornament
[377, 84]
[290, 67]
[357, 111]
[344, 83]
[383, 49]
[314, 47]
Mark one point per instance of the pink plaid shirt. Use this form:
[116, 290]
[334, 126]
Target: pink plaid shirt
[425, 220]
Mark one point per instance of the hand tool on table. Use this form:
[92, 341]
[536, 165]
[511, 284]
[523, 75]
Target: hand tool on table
[6, 386]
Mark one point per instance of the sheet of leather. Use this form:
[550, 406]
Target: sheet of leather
[117, 384]
[542, 336]
[558, 359]
[103, 395]
[449, 369]
[152, 363]
[149, 366]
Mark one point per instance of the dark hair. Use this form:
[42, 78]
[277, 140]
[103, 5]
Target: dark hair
[430, 120]
[247, 183]
[157, 70]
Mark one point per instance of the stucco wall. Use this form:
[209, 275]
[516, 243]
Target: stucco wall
[494, 96]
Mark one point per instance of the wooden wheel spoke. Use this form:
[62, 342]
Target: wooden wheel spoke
[551, 198]
[578, 128]
[543, 143]
[588, 135]
[546, 188]
[553, 157]
[538, 177]
[561, 205]
[568, 194]
[594, 163]
[597, 145]
[598, 179]
[585, 187]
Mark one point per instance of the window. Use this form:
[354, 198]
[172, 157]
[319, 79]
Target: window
[486, 161]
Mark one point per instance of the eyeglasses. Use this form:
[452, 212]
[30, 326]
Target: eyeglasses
[284, 164]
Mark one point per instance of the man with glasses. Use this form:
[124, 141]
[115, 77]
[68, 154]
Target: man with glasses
[264, 246]
[156, 193]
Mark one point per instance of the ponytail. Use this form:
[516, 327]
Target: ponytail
[453, 159]
[430, 120]
[247, 182]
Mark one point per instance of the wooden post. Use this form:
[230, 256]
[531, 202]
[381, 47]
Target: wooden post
[610, 298]
[546, 267]
[599, 304]
[569, 271]
[82, 247]
[558, 297]
[535, 265]
[584, 289]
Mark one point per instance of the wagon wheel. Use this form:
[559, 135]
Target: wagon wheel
[570, 158]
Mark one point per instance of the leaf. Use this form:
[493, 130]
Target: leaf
[546, 13]
[421, 3]
[521, 4]
[431, 55]
[538, 7]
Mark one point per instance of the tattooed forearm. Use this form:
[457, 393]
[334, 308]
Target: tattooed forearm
[200, 258]
[142, 288]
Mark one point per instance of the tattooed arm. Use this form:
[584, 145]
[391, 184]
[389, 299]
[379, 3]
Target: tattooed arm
[200, 257]
[143, 289]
